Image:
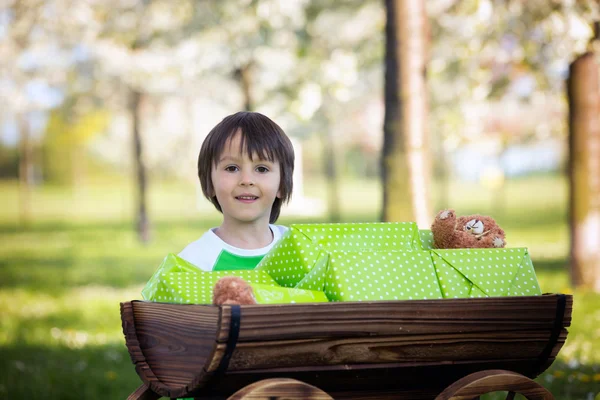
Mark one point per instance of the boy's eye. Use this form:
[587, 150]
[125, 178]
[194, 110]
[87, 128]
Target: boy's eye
[262, 169]
[231, 168]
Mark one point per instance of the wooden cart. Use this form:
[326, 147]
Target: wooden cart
[419, 349]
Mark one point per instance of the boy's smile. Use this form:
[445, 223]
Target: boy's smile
[246, 198]
[245, 186]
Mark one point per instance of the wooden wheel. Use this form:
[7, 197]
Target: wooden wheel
[280, 388]
[479, 383]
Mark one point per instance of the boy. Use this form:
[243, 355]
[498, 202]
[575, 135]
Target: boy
[245, 168]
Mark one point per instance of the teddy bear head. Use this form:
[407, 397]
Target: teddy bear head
[233, 290]
[470, 231]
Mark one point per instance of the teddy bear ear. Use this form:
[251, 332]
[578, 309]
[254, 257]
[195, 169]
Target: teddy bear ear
[445, 214]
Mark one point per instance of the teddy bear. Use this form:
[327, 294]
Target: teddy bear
[471, 231]
[232, 290]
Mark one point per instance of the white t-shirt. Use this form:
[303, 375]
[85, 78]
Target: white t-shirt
[211, 253]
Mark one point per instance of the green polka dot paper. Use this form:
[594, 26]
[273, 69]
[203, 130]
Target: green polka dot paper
[171, 263]
[304, 245]
[426, 237]
[525, 282]
[197, 287]
[291, 258]
[178, 281]
[381, 275]
[452, 283]
[315, 279]
[269, 294]
[485, 272]
[363, 236]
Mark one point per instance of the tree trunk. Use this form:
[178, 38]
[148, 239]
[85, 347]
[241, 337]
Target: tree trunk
[443, 179]
[143, 225]
[584, 170]
[405, 158]
[331, 177]
[243, 74]
[25, 170]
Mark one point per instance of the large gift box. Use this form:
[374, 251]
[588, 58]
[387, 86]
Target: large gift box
[305, 246]
[178, 281]
[375, 275]
[393, 261]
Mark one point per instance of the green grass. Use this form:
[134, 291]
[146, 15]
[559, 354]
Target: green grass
[63, 276]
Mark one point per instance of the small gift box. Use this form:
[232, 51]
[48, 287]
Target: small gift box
[485, 272]
[178, 281]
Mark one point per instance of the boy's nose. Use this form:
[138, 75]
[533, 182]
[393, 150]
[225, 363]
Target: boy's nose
[247, 180]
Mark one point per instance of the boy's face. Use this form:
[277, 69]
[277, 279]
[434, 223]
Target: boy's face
[245, 188]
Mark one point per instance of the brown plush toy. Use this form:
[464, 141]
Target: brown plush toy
[233, 290]
[471, 231]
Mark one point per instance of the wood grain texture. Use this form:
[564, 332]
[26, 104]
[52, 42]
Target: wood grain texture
[280, 389]
[490, 381]
[170, 344]
[335, 346]
[410, 349]
[279, 322]
[143, 393]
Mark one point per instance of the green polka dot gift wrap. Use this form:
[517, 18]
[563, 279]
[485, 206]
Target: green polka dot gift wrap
[273, 294]
[393, 261]
[426, 237]
[375, 275]
[305, 246]
[178, 281]
[485, 272]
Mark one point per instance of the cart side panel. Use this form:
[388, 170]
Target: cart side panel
[428, 332]
[342, 347]
[432, 348]
[385, 318]
[171, 345]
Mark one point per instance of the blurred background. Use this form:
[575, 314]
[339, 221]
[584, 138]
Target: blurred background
[396, 109]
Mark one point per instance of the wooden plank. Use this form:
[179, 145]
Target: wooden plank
[135, 349]
[143, 393]
[174, 344]
[267, 322]
[408, 348]
[519, 365]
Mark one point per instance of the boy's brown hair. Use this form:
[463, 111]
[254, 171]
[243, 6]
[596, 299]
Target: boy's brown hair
[260, 136]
